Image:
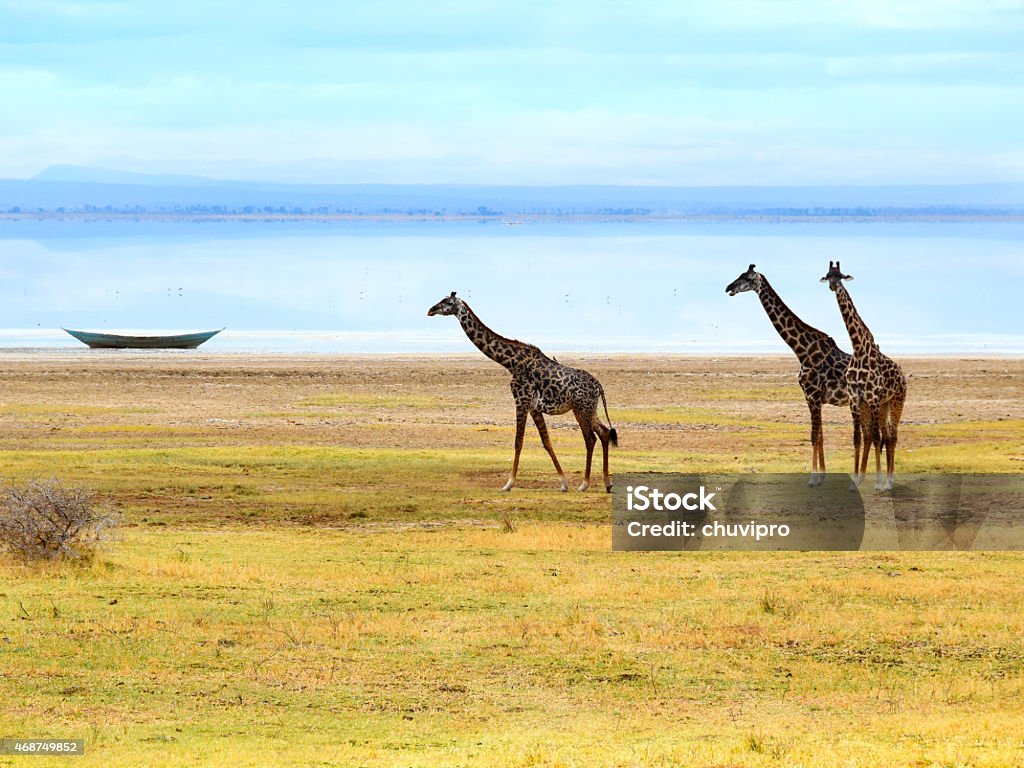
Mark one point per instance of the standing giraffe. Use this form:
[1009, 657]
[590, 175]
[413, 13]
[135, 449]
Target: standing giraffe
[539, 385]
[877, 386]
[822, 364]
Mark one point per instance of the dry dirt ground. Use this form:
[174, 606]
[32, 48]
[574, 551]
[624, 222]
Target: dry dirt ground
[93, 408]
[431, 402]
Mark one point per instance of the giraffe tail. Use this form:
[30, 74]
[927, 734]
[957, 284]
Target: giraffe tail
[613, 435]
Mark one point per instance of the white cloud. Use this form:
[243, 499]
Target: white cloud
[925, 14]
[737, 92]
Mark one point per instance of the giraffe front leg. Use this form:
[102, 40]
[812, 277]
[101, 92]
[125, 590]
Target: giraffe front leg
[858, 433]
[877, 438]
[817, 470]
[869, 440]
[893, 420]
[862, 444]
[856, 438]
[542, 428]
[520, 430]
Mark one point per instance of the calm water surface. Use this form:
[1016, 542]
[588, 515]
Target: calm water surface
[945, 288]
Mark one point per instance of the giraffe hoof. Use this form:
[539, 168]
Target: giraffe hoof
[508, 486]
[583, 487]
[564, 487]
[608, 488]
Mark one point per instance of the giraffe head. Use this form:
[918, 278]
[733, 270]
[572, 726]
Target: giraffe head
[449, 305]
[748, 281]
[835, 276]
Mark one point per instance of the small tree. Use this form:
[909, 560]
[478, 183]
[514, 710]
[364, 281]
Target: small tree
[45, 520]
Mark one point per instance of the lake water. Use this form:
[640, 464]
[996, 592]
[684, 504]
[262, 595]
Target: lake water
[930, 288]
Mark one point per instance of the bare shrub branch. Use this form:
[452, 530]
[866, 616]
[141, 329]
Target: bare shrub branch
[46, 520]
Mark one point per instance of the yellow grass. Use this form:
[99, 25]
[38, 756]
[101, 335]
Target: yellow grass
[469, 646]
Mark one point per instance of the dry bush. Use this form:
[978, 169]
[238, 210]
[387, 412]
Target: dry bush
[46, 520]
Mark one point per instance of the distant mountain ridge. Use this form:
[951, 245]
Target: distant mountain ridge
[70, 188]
[79, 174]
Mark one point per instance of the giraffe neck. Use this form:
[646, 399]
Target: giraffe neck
[794, 331]
[506, 352]
[860, 335]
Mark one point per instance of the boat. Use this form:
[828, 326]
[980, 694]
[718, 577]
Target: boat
[118, 341]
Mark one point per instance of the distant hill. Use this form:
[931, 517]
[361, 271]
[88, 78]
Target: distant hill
[78, 174]
[69, 188]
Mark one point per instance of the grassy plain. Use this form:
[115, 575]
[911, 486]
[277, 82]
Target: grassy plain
[318, 568]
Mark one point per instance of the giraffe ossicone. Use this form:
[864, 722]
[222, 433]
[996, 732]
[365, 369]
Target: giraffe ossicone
[540, 386]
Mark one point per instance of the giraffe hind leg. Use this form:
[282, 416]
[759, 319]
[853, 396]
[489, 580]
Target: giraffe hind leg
[542, 428]
[605, 434]
[587, 428]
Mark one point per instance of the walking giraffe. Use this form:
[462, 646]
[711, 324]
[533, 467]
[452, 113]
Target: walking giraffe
[539, 385]
[877, 386]
[822, 364]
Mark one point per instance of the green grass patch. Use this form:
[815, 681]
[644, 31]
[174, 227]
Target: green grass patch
[980, 430]
[30, 411]
[133, 429]
[371, 399]
[979, 456]
[327, 485]
[685, 415]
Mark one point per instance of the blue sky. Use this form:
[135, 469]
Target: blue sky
[724, 92]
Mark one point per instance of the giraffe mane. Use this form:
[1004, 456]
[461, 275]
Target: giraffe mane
[505, 339]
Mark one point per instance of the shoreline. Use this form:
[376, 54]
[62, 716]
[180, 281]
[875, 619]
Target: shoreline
[509, 219]
[191, 355]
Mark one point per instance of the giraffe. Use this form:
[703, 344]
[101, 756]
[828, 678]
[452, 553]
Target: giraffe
[540, 386]
[877, 387]
[822, 364]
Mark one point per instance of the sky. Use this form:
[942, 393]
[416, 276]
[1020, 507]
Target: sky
[575, 92]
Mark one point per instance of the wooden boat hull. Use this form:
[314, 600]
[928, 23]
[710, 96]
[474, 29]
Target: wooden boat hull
[118, 341]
